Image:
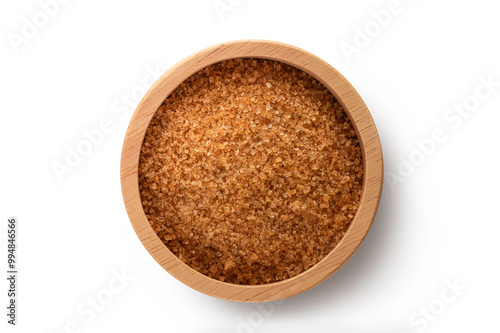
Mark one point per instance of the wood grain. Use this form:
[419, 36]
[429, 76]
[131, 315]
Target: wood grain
[352, 104]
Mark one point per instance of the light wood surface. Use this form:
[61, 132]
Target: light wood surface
[343, 92]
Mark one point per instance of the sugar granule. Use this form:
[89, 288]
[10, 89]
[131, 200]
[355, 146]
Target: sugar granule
[250, 171]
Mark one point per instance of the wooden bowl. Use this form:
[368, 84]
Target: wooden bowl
[345, 95]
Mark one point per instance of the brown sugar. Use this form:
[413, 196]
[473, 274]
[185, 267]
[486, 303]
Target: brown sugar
[250, 171]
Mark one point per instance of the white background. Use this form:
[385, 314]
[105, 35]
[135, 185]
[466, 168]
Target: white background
[438, 224]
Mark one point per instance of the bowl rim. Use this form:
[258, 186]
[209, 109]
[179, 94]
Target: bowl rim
[353, 105]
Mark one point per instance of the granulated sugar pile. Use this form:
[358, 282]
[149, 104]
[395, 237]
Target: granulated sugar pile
[250, 171]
